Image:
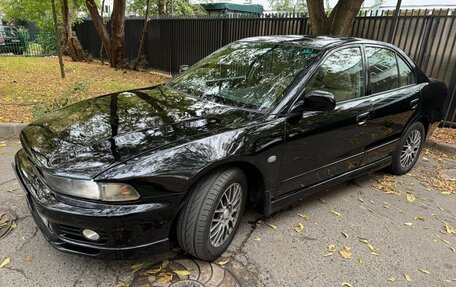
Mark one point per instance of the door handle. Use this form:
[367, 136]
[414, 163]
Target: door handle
[362, 118]
[414, 103]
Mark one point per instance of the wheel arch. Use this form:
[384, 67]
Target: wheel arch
[255, 189]
[255, 179]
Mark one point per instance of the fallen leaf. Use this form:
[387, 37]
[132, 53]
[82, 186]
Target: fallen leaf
[364, 240]
[389, 230]
[411, 197]
[164, 264]
[5, 262]
[136, 267]
[371, 247]
[182, 272]
[407, 277]
[151, 271]
[258, 239]
[452, 249]
[328, 254]
[303, 216]
[361, 261]
[344, 234]
[408, 223]
[28, 258]
[123, 284]
[345, 254]
[347, 248]
[419, 218]
[223, 262]
[449, 229]
[335, 213]
[360, 199]
[425, 271]
[392, 279]
[2, 144]
[151, 278]
[346, 284]
[271, 225]
[165, 278]
[331, 248]
[299, 228]
[322, 200]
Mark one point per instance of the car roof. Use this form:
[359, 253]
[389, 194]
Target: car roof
[307, 41]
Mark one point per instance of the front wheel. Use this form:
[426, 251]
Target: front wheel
[210, 217]
[406, 154]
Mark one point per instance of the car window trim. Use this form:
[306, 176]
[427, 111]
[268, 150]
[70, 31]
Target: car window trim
[301, 85]
[397, 54]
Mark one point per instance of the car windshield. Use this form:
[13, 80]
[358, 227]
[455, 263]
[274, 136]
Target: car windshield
[246, 74]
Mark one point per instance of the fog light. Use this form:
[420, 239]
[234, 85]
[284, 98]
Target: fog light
[90, 234]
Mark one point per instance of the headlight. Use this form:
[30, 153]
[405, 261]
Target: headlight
[92, 190]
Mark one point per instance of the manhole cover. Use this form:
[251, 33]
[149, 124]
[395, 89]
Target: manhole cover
[7, 222]
[200, 274]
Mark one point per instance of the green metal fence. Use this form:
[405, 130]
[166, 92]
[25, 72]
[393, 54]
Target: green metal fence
[28, 44]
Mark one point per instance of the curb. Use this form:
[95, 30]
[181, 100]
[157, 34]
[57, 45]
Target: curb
[447, 148]
[11, 129]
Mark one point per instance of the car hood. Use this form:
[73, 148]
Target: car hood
[86, 138]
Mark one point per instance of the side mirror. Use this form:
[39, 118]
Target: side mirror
[315, 101]
[183, 68]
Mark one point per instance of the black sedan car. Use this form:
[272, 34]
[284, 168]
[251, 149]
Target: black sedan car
[262, 122]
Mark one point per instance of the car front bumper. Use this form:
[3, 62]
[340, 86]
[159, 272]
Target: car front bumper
[125, 230]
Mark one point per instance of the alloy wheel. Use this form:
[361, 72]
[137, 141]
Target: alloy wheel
[226, 214]
[410, 149]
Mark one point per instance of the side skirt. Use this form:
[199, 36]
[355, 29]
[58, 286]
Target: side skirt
[276, 204]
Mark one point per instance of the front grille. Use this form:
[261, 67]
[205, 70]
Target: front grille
[75, 233]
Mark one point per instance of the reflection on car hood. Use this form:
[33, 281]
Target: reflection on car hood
[88, 137]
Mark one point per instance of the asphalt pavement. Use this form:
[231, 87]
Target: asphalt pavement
[376, 230]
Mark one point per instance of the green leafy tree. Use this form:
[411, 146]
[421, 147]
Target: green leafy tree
[288, 6]
[163, 7]
[40, 13]
[37, 11]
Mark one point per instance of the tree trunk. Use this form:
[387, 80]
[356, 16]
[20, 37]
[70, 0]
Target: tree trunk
[57, 40]
[99, 26]
[141, 43]
[339, 22]
[118, 28]
[70, 42]
[161, 7]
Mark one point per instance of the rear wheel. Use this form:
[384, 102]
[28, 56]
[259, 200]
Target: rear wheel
[211, 215]
[406, 154]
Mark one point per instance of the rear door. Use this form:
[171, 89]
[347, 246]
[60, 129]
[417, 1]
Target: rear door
[395, 98]
[322, 145]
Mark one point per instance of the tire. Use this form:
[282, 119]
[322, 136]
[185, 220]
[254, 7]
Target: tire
[199, 214]
[406, 154]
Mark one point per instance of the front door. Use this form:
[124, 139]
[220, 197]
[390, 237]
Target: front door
[326, 144]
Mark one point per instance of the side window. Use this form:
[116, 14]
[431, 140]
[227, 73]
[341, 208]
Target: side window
[383, 70]
[406, 75]
[341, 74]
